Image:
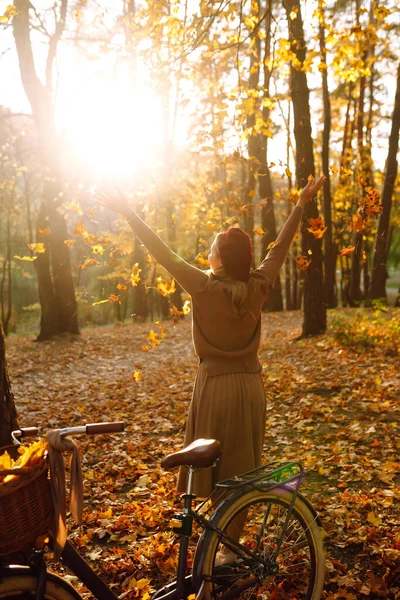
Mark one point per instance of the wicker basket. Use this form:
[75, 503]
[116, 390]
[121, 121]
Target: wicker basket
[26, 508]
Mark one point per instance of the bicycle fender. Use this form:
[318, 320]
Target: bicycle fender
[202, 545]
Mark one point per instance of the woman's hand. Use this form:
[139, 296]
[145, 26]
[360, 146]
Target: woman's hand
[308, 192]
[114, 201]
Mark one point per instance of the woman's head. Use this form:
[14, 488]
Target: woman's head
[232, 251]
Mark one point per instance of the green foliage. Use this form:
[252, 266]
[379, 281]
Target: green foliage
[368, 328]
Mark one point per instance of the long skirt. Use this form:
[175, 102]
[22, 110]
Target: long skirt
[232, 409]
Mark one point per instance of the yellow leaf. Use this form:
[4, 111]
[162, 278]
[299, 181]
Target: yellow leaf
[122, 287]
[90, 262]
[80, 229]
[69, 243]
[162, 331]
[75, 206]
[27, 258]
[347, 251]
[293, 15]
[98, 249]
[107, 514]
[203, 261]
[101, 302]
[164, 287]
[135, 274]
[252, 193]
[39, 248]
[371, 518]
[9, 13]
[259, 231]
[271, 245]
[137, 376]
[186, 307]
[115, 298]
[45, 231]
[144, 348]
[288, 172]
[142, 583]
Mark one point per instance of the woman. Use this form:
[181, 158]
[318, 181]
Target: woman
[228, 401]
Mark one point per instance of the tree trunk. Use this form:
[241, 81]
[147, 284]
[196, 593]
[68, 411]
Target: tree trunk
[379, 267]
[314, 321]
[56, 288]
[274, 301]
[8, 413]
[330, 253]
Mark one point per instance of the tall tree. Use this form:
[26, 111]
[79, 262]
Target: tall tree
[379, 268]
[56, 288]
[8, 413]
[330, 252]
[274, 301]
[314, 321]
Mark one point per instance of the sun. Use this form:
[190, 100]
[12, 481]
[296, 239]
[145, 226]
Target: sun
[111, 129]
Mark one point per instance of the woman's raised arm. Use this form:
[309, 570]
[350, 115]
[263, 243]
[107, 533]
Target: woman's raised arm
[189, 277]
[274, 260]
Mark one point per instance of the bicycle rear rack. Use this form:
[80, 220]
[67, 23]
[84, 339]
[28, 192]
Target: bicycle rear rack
[289, 474]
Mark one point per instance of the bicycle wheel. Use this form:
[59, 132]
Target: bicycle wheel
[288, 544]
[20, 584]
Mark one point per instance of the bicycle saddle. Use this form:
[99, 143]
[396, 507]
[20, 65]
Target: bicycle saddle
[200, 453]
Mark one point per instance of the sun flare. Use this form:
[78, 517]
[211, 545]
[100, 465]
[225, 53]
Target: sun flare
[111, 131]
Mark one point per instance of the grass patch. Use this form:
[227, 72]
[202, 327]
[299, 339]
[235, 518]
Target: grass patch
[367, 328]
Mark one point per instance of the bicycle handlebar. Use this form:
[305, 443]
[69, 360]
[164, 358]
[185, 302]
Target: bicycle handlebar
[89, 428]
[115, 427]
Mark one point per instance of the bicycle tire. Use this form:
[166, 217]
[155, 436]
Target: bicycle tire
[299, 566]
[19, 583]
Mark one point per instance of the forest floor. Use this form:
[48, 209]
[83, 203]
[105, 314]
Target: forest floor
[332, 404]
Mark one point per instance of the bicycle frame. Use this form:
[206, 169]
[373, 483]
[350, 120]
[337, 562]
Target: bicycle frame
[260, 478]
[270, 476]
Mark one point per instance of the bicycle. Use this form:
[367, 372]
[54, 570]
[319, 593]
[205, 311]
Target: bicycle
[260, 538]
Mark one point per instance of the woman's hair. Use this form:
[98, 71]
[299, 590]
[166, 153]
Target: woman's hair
[237, 290]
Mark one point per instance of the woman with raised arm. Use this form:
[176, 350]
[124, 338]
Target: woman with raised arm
[228, 401]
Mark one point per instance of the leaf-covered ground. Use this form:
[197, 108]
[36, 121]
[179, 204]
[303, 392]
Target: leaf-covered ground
[334, 407]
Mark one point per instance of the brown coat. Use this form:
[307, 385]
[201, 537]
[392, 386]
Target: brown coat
[228, 400]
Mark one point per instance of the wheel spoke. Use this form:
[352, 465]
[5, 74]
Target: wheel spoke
[283, 541]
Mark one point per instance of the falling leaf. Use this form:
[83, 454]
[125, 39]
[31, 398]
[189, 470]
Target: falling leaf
[26, 258]
[252, 193]
[98, 249]
[90, 262]
[80, 229]
[288, 172]
[122, 287]
[186, 307]
[317, 227]
[69, 243]
[259, 231]
[115, 298]
[39, 248]
[164, 287]
[203, 261]
[303, 262]
[75, 205]
[271, 245]
[135, 274]
[153, 339]
[45, 231]
[347, 251]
